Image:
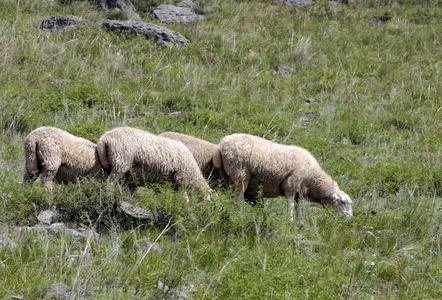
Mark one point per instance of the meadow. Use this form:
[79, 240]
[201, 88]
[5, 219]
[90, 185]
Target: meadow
[364, 97]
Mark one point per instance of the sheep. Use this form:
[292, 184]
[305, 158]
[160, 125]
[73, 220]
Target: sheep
[201, 150]
[256, 164]
[203, 153]
[59, 156]
[141, 157]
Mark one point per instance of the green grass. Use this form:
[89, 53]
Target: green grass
[373, 121]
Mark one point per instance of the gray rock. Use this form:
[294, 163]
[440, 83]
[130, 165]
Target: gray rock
[125, 5]
[167, 13]
[59, 22]
[176, 114]
[162, 287]
[283, 71]
[136, 212]
[183, 292]
[129, 9]
[60, 227]
[46, 217]
[304, 120]
[187, 3]
[146, 244]
[57, 291]
[300, 3]
[5, 241]
[160, 34]
[57, 227]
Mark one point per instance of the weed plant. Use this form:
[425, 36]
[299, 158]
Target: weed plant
[362, 96]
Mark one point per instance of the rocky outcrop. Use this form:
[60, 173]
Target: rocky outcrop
[181, 13]
[61, 21]
[126, 6]
[160, 34]
[300, 3]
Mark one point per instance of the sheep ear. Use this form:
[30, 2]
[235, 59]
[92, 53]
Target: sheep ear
[342, 197]
[335, 198]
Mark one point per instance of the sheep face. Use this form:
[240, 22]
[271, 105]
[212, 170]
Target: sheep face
[342, 204]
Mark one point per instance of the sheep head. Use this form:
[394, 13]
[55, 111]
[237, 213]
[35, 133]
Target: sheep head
[321, 188]
[342, 203]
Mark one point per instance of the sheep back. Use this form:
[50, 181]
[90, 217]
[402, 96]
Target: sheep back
[201, 150]
[274, 169]
[57, 154]
[149, 158]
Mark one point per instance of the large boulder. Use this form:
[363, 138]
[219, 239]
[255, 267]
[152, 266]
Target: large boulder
[60, 21]
[300, 3]
[160, 34]
[167, 13]
[125, 5]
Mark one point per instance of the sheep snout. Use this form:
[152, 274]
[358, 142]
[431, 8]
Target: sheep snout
[342, 204]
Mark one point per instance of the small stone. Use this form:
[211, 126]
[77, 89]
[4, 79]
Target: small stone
[61, 227]
[146, 244]
[45, 217]
[304, 120]
[5, 241]
[57, 291]
[177, 114]
[135, 212]
[162, 287]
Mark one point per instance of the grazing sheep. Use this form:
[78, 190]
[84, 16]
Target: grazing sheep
[142, 157]
[60, 156]
[202, 152]
[257, 164]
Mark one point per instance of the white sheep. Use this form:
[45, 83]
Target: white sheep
[256, 164]
[142, 157]
[59, 156]
[203, 153]
[201, 150]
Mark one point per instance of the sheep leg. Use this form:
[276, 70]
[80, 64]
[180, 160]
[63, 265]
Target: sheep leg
[47, 177]
[292, 200]
[113, 177]
[50, 170]
[291, 203]
[240, 190]
[30, 177]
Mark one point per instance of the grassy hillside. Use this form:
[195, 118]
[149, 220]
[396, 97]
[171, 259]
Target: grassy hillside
[363, 96]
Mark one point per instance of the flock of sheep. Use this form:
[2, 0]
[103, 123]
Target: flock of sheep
[253, 165]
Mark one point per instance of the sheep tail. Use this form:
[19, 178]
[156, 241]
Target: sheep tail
[218, 163]
[102, 150]
[32, 169]
[217, 159]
